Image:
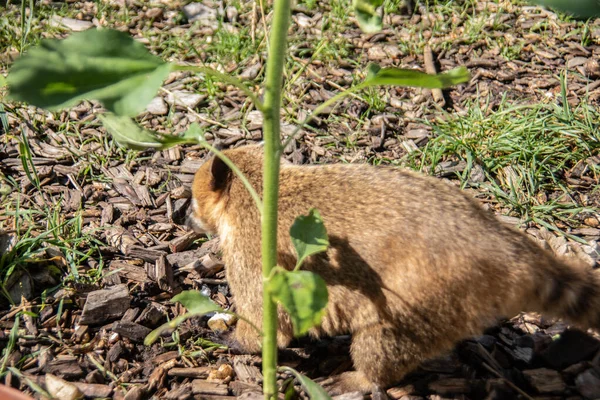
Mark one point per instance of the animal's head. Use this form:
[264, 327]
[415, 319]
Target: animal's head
[214, 183]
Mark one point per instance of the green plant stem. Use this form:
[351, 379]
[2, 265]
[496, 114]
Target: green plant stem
[271, 134]
[223, 78]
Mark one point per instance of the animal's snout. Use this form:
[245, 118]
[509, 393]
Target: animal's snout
[195, 225]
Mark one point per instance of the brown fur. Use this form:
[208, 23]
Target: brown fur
[414, 265]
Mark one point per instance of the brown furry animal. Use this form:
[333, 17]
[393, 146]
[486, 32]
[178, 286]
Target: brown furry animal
[414, 266]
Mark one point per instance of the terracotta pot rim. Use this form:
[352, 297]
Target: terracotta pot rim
[8, 393]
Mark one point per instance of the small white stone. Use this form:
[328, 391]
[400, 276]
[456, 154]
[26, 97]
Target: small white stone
[185, 99]
[76, 25]
[221, 322]
[60, 389]
[157, 107]
[254, 120]
[207, 16]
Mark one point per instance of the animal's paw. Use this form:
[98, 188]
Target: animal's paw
[347, 382]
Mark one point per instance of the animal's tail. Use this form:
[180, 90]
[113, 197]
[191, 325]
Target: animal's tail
[569, 291]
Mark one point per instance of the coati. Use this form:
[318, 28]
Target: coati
[414, 264]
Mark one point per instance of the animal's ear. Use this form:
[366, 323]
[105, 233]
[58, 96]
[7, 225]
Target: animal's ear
[221, 174]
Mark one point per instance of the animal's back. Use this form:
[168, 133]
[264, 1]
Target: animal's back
[404, 245]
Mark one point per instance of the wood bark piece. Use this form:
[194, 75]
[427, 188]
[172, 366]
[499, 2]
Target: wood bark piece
[438, 95]
[450, 386]
[115, 351]
[588, 384]
[164, 357]
[65, 368]
[131, 330]
[238, 387]
[120, 238]
[104, 305]
[183, 242]
[110, 279]
[246, 373]
[196, 373]
[152, 315]
[129, 271]
[182, 392]
[159, 375]
[162, 273]
[94, 390]
[545, 380]
[200, 386]
[148, 255]
[181, 192]
[143, 194]
[184, 258]
[131, 314]
[127, 191]
[210, 265]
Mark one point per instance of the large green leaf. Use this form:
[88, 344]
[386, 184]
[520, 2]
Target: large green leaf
[97, 64]
[578, 8]
[309, 235]
[411, 77]
[369, 20]
[197, 305]
[304, 296]
[314, 390]
[129, 134]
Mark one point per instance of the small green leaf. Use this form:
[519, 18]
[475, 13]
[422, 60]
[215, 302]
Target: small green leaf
[304, 296]
[309, 235]
[369, 20]
[314, 390]
[172, 324]
[2, 81]
[197, 305]
[411, 77]
[196, 302]
[579, 8]
[129, 134]
[97, 64]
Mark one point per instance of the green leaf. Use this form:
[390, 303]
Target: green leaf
[369, 20]
[96, 64]
[2, 81]
[411, 77]
[197, 305]
[372, 70]
[196, 302]
[578, 8]
[309, 235]
[129, 134]
[304, 296]
[314, 390]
